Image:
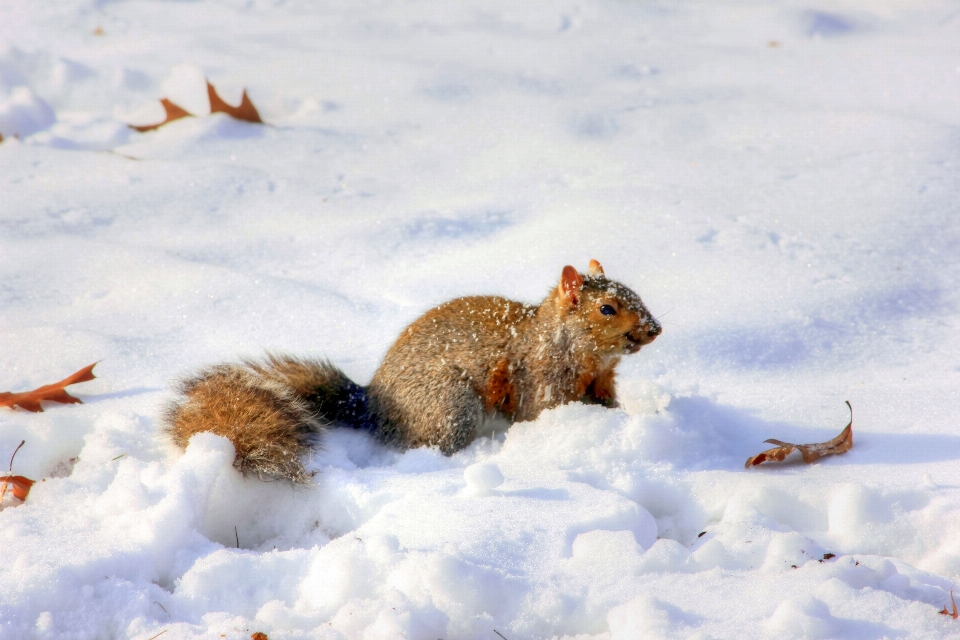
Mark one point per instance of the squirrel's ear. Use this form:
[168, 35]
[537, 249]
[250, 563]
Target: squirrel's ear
[595, 268]
[570, 284]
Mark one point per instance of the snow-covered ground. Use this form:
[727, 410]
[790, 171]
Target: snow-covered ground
[779, 181]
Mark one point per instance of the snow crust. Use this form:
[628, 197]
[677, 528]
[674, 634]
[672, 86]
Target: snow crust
[777, 181]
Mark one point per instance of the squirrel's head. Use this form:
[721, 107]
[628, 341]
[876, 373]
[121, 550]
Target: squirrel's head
[611, 314]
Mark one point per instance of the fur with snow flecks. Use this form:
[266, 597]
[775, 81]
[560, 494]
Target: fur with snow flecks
[263, 408]
[457, 365]
[476, 356]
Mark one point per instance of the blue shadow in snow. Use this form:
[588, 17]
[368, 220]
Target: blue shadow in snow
[538, 493]
[447, 90]
[828, 25]
[796, 342]
[226, 128]
[468, 226]
[126, 393]
[595, 125]
[724, 437]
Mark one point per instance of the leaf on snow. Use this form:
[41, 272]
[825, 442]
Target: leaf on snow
[244, 111]
[810, 452]
[20, 486]
[953, 614]
[30, 400]
[173, 111]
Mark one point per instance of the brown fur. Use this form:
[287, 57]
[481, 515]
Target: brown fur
[603, 388]
[262, 408]
[499, 394]
[459, 363]
[479, 355]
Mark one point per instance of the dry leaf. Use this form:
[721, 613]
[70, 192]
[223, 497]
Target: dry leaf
[259, 635]
[953, 614]
[19, 486]
[246, 111]
[174, 112]
[30, 400]
[810, 452]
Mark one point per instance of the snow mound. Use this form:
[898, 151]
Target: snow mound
[24, 114]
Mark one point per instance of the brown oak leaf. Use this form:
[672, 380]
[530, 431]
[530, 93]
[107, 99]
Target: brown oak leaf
[810, 452]
[953, 614]
[246, 111]
[173, 111]
[30, 400]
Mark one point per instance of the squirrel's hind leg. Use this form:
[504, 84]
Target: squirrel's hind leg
[440, 409]
[465, 411]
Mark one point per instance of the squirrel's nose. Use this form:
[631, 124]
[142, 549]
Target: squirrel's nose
[653, 329]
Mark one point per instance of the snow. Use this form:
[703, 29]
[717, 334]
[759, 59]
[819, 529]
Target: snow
[776, 180]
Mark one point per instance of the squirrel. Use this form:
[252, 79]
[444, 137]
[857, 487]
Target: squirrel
[458, 364]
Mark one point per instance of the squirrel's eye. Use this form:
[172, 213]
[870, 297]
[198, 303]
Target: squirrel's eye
[607, 310]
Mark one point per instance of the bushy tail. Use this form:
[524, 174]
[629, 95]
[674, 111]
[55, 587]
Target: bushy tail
[272, 410]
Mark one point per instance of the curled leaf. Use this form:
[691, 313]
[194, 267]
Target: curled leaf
[19, 486]
[953, 614]
[30, 400]
[810, 452]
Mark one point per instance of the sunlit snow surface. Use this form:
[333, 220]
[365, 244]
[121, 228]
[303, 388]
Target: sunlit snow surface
[778, 181]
